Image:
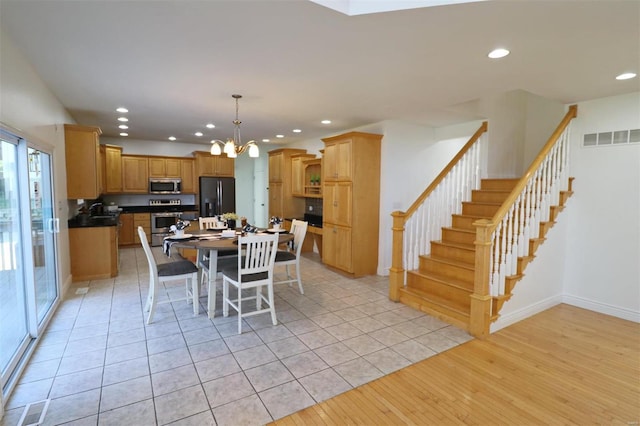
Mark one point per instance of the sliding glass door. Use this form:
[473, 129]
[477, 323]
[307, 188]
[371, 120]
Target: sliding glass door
[43, 228]
[14, 321]
[28, 265]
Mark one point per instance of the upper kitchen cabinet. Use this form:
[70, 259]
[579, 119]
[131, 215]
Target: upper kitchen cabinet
[282, 203]
[111, 158]
[351, 202]
[337, 160]
[82, 157]
[214, 165]
[187, 174]
[297, 173]
[164, 167]
[135, 174]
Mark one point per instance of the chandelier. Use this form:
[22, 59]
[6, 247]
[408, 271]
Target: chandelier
[234, 146]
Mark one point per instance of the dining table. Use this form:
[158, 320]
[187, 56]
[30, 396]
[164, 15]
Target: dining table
[210, 244]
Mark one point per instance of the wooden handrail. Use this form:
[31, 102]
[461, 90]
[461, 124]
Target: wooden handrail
[515, 193]
[483, 128]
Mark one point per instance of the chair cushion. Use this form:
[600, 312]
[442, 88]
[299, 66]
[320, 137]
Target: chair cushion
[283, 256]
[176, 268]
[232, 273]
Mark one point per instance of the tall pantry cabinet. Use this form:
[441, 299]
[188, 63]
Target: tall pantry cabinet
[351, 202]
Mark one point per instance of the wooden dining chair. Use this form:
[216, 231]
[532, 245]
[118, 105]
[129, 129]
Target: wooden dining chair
[291, 256]
[254, 269]
[170, 271]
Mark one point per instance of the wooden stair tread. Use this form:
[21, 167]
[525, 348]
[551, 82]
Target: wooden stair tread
[465, 230]
[456, 245]
[450, 262]
[453, 282]
[437, 300]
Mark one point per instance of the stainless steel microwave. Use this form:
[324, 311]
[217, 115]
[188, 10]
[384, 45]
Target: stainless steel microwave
[164, 186]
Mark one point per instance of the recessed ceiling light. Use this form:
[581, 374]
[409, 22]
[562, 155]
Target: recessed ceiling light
[123, 127]
[172, 138]
[266, 140]
[498, 53]
[280, 136]
[211, 126]
[297, 131]
[123, 119]
[122, 110]
[198, 134]
[124, 134]
[626, 76]
[326, 121]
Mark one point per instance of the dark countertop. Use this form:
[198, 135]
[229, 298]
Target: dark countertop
[159, 209]
[93, 222]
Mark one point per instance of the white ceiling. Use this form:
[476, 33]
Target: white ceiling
[175, 64]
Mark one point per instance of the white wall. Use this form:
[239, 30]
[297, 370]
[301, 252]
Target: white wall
[412, 156]
[591, 256]
[603, 248]
[28, 105]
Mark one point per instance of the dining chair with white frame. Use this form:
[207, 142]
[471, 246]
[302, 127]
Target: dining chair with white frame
[254, 269]
[170, 271]
[291, 256]
[204, 264]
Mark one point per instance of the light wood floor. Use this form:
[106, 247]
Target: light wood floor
[563, 366]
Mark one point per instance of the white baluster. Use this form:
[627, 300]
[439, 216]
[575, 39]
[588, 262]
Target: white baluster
[495, 278]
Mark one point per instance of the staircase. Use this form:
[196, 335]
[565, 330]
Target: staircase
[462, 246]
[444, 281]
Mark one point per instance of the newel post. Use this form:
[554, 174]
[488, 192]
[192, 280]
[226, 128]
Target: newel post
[396, 272]
[481, 297]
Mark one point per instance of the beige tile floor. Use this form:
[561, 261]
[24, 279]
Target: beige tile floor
[99, 362]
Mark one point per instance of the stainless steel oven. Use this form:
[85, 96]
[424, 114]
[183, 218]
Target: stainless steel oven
[161, 226]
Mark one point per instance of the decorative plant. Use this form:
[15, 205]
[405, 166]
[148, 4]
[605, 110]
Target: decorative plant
[180, 225]
[230, 216]
[275, 220]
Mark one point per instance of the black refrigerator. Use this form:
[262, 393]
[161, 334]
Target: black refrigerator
[217, 196]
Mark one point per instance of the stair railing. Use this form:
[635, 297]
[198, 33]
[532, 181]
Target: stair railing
[504, 238]
[423, 221]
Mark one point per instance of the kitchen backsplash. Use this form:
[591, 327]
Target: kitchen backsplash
[313, 206]
[143, 199]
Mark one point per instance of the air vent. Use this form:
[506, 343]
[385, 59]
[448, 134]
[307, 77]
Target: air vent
[34, 413]
[618, 137]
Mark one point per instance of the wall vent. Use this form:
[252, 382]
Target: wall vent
[618, 137]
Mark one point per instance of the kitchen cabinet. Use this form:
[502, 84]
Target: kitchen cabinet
[337, 247]
[164, 167]
[187, 174]
[214, 165]
[298, 180]
[282, 203]
[351, 202]
[126, 230]
[144, 220]
[135, 174]
[82, 158]
[93, 252]
[129, 223]
[111, 158]
[337, 208]
[338, 161]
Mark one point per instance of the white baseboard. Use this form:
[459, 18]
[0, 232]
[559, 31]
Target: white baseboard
[65, 286]
[513, 317]
[603, 308]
